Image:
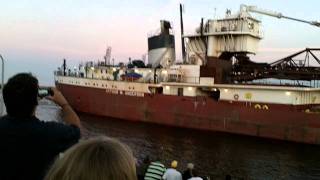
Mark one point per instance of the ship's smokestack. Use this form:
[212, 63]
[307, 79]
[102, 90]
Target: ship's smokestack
[165, 27]
[182, 39]
[161, 47]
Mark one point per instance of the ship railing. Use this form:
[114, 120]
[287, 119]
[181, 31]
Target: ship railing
[286, 82]
[185, 79]
[236, 26]
[178, 79]
[58, 73]
[68, 74]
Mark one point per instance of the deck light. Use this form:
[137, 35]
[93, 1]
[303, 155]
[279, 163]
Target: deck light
[225, 90]
[288, 93]
[190, 88]
[167, 87]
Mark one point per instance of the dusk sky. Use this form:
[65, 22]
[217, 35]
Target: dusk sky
[35, 35]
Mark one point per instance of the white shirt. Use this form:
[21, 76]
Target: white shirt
[195, 178]
[172, 174]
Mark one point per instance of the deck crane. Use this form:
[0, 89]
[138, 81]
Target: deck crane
[254, 9]
[292, 67]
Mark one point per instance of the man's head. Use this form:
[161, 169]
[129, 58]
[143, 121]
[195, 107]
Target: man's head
[20, 95]
[174, 164]
[190, 166]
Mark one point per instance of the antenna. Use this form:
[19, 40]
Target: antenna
[107, 57]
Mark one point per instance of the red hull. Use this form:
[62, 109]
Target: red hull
[282, 122]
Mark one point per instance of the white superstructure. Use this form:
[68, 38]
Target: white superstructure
[238, 33]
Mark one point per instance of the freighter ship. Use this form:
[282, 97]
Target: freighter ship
[215, 88]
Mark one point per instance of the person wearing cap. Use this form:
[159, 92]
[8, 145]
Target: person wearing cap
[172, 173]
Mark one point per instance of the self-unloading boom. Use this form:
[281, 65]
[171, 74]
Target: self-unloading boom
[254, 9]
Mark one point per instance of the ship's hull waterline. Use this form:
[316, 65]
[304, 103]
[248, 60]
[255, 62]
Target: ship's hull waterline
[284, 122]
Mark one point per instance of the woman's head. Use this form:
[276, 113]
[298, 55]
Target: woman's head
[95, 159]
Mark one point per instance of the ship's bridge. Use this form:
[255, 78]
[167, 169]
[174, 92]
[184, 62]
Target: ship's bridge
[239, 33]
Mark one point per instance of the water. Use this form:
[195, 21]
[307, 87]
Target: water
[214, 154]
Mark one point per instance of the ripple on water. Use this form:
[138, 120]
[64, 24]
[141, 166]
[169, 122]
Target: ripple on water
[214, 154]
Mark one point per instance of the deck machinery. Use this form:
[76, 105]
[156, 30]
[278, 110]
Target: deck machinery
[224, 44]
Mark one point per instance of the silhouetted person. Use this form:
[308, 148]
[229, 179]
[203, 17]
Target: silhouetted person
[27, 145]
[142, 169]
[189, 172]
[228, 177]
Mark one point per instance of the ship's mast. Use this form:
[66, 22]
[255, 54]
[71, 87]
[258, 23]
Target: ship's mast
[64, 66]
[182, 39]
[107, 57]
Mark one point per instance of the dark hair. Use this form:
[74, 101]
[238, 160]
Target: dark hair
[20, 95]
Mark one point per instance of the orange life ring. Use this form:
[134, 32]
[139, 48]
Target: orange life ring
[236, 96]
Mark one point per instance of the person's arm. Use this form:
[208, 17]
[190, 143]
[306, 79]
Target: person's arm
[68, 115]
[164, 177]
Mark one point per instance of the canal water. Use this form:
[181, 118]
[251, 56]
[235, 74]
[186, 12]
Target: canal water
[214, 154]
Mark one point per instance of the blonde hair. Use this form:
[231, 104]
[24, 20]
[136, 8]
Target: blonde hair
[174, 164]
[95, 159]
